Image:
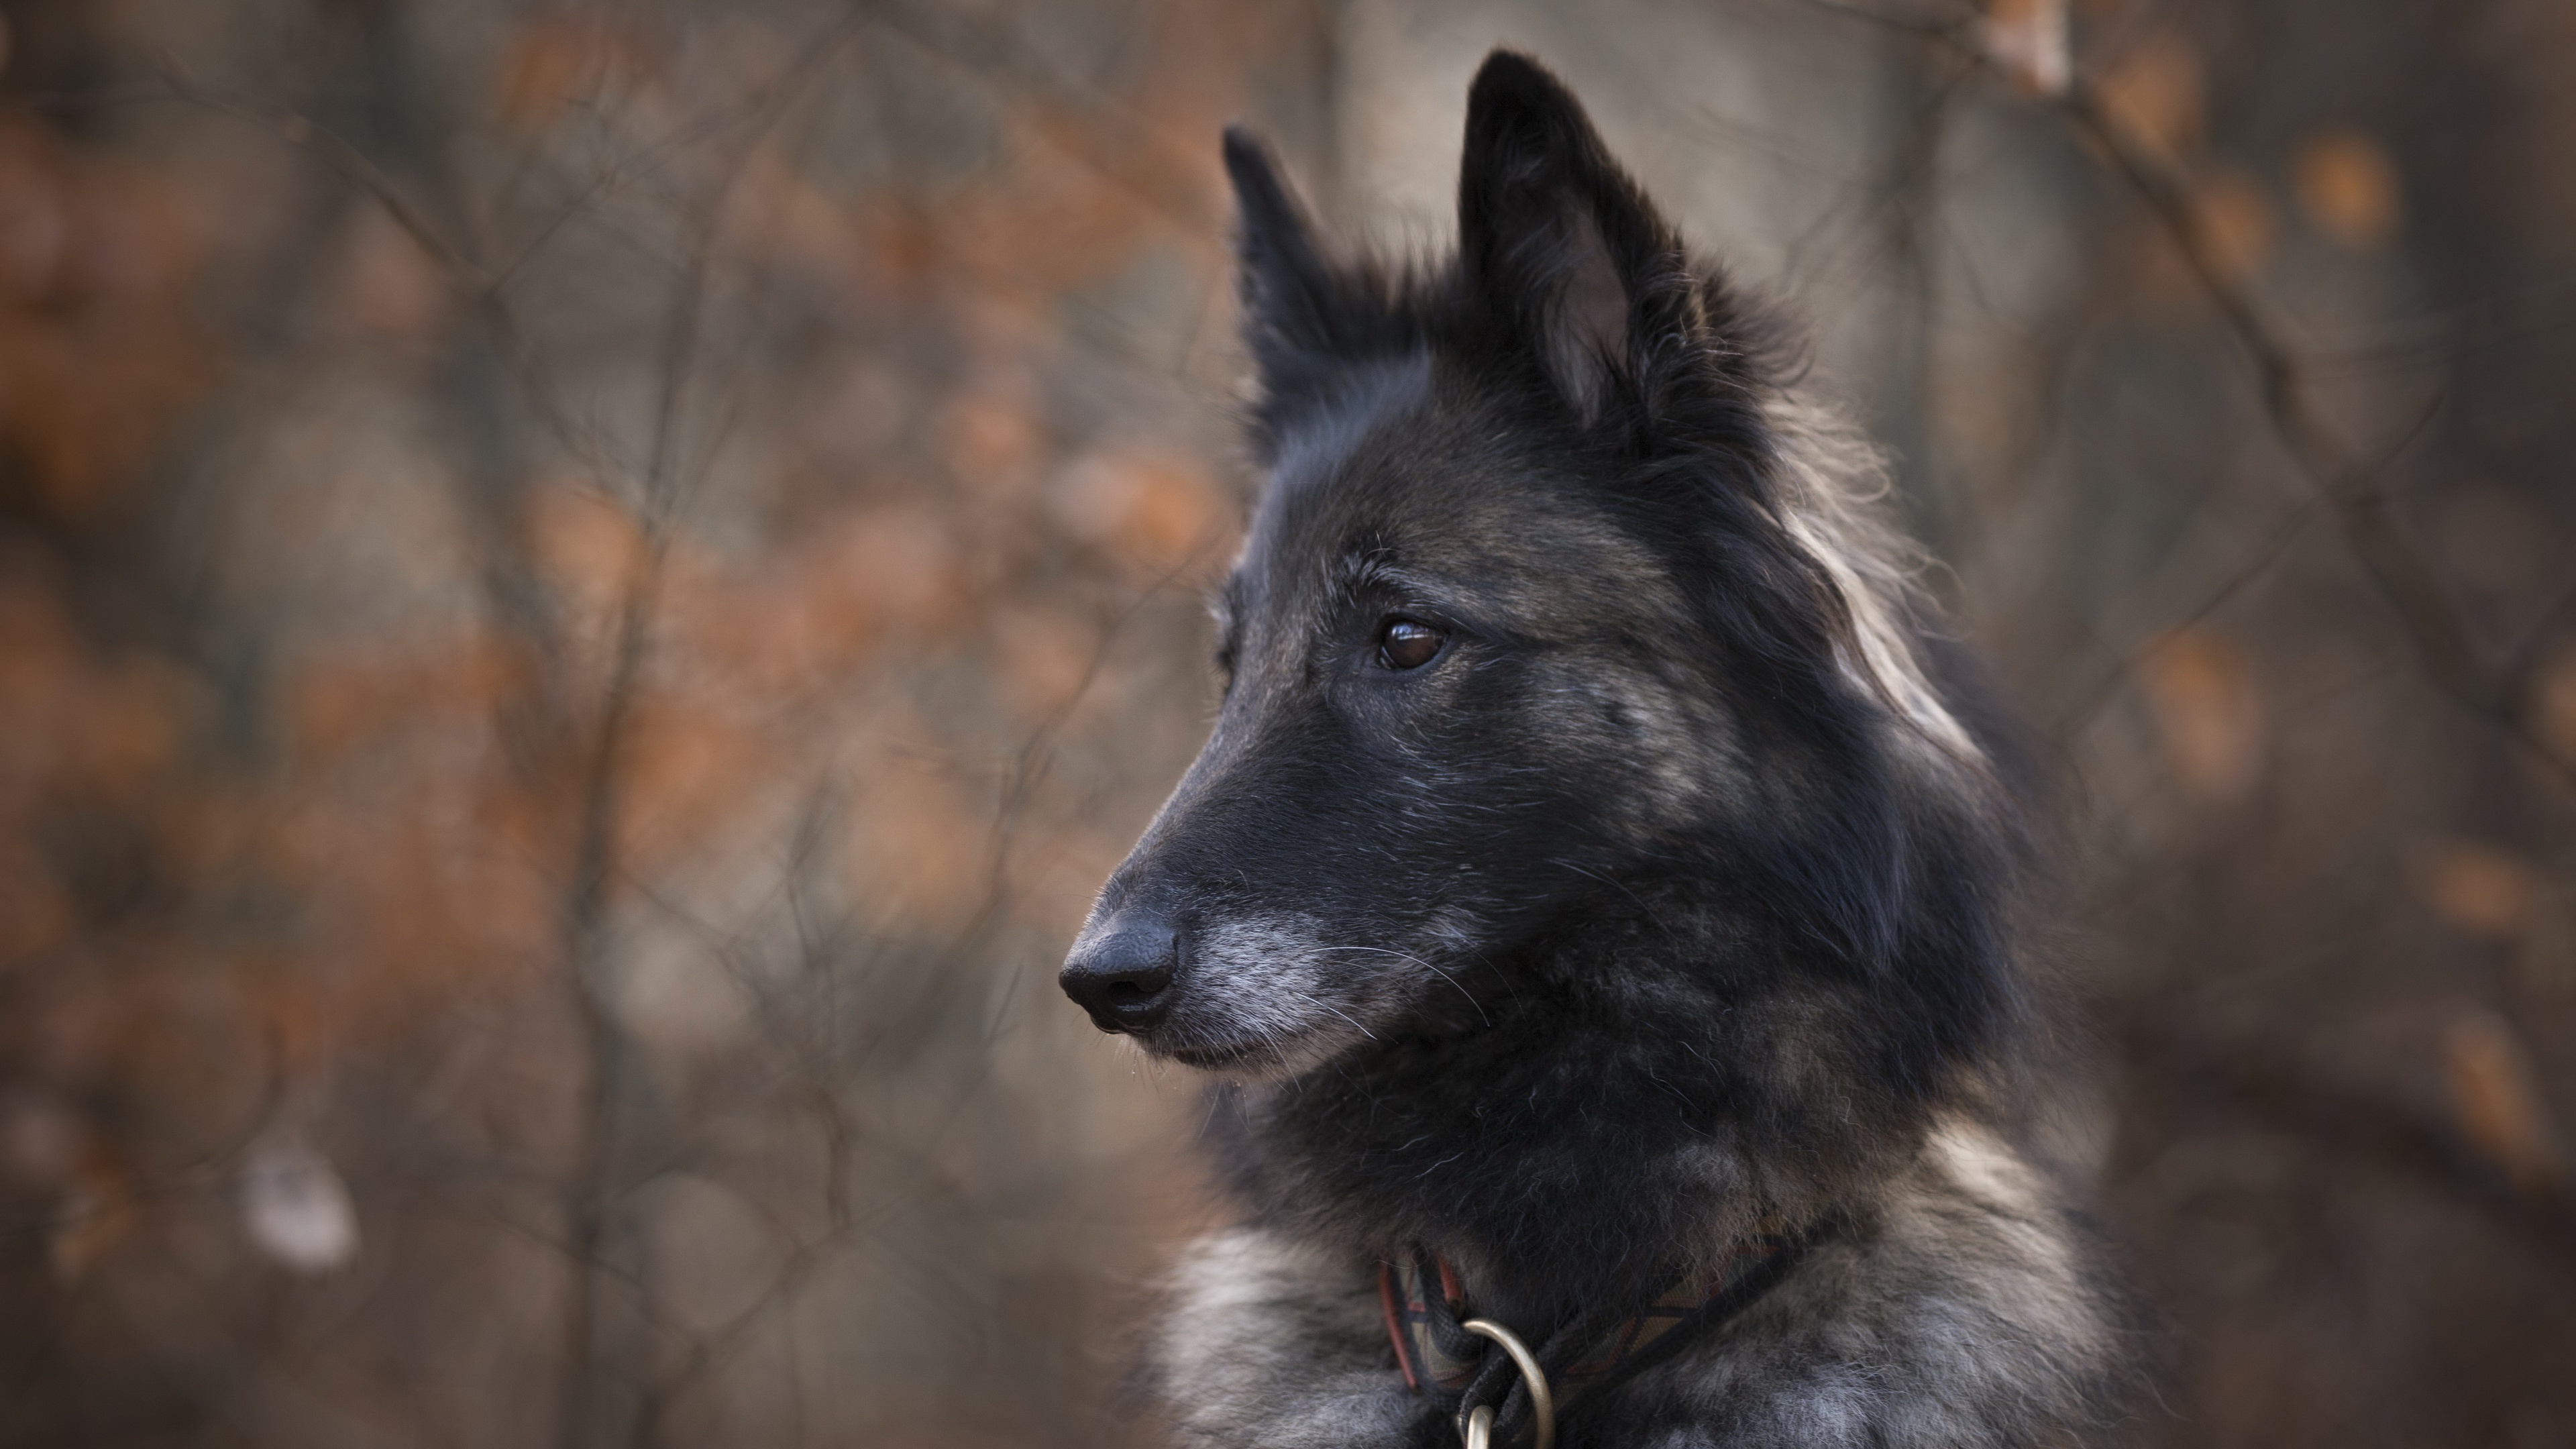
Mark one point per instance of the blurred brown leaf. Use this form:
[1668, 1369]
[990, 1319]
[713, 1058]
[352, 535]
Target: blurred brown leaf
[1152, 508]
[337, 705]
[2154, 89]
[135, 715]
[551, 62]
[2478, 889]
[99, 353]
[993, 439]
[2498, 1099]
[2553, 706]
[690, 759]
[387, 284]
[591, 548]
[2207, 712]
[2348, 187]
[2236, 216]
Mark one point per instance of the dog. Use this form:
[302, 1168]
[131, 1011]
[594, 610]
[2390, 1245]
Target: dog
[1594, 905]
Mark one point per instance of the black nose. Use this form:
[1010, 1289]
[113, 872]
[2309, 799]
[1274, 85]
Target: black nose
[1122, 974]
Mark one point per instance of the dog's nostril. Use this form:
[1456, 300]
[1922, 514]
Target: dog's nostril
[1123, 976]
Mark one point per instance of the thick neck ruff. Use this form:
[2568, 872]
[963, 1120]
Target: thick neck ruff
[1425, 1308]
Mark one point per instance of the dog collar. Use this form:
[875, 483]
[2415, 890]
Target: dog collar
[1425, 1308]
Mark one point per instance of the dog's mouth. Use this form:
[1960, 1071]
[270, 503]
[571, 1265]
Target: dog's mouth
[1217, 1058]
[1244, 1056]
[1247, 1063]
[1248, 1058]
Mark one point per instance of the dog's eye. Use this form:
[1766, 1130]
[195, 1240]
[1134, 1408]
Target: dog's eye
[1404, 644]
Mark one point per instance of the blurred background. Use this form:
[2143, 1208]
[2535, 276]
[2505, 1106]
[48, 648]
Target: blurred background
[587, 590]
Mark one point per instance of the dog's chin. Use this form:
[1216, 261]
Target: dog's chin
[1252, 1060]
[1225, 1060]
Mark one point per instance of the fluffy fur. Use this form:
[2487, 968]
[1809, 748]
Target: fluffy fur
[1668, 899]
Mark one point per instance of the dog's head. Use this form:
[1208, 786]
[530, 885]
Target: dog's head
[1519, 619]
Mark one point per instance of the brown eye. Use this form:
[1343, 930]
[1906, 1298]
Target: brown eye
[1407, 645]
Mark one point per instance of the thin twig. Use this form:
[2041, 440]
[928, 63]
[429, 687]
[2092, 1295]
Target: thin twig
[351, 165]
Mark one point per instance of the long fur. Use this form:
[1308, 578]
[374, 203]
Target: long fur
[1671, 900]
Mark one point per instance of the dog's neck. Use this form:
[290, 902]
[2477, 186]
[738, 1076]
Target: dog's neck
[1562, 1147]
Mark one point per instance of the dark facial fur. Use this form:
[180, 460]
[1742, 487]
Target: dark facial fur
[1668, 896]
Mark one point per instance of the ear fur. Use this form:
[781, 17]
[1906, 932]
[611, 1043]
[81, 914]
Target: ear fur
[1305, 321]
[1560, 242]
[1286, 292]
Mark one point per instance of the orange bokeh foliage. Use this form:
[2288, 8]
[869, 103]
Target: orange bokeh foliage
[99, 354]
[1152, 509]
[337, 706]
[2496, 1093]
[552, 63]
[2154, 87]
[2478, 889]
[2235, 218]
[2202, 691]
[2348, 186]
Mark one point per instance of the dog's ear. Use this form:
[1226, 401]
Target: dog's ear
[1287, 293]
[1305, 322]
[1560, 242]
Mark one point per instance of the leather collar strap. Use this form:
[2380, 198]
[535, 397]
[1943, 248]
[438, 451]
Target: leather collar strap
[1425, 1304]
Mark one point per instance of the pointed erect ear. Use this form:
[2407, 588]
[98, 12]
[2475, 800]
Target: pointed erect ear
[1287, 294]
[1558, 239]
[1308, 323]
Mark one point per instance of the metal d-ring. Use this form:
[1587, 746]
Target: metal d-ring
[1479, 1428]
